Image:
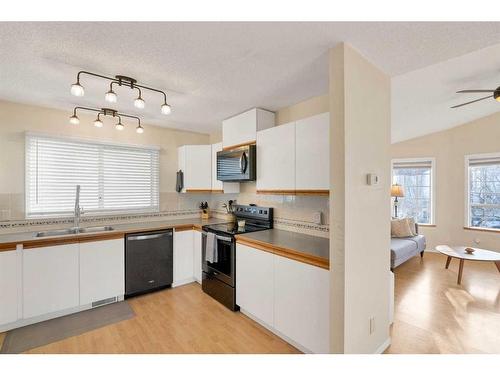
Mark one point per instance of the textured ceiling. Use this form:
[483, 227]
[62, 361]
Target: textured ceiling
[214, 70]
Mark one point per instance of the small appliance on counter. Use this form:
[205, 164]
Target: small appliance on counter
[219, 256]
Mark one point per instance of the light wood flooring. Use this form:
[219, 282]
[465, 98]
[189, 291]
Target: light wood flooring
[435, 315]
[179, 320]
[432, 315]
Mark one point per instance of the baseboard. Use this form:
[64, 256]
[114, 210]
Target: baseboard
[183, 282]
[40, 318]
[383, 347]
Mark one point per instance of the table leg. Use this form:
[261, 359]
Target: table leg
[448, 260]
[498, 266]
[460, 270]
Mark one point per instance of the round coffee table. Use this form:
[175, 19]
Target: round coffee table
[459, 253]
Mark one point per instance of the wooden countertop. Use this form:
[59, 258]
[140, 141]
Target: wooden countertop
[297, 246]
[9, 241]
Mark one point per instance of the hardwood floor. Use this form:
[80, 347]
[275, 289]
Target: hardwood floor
[179, 320]
[435, 315]
[432, 315]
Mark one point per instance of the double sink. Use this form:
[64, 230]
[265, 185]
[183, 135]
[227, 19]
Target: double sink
[62, 232]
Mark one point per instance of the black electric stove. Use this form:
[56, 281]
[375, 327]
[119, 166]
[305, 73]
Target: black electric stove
[219, 278]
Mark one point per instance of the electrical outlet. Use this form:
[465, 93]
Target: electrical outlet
[477, 241]
[372, 325]
[318, 217]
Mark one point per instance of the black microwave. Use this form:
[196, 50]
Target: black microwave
[237, 164]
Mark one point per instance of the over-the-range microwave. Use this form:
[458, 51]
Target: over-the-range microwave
[237, 164]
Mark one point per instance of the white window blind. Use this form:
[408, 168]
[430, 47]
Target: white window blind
[416, 178]
[113, 178]
[484, 191]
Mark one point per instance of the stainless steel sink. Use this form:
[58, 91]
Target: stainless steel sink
[63, 232]
[96, 229]
[57, 232]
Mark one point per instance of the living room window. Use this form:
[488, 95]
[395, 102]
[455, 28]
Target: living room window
[416, 176]
[483, 191]
[113, 178]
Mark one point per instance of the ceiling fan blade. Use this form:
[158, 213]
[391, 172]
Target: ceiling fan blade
[473, 101]
[472, 91]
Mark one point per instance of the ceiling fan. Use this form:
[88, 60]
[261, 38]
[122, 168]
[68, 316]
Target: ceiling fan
[495, 94]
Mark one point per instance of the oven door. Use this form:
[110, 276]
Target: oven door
[224, 268]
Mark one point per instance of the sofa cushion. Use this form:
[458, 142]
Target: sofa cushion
[403, 249]
[420, 241]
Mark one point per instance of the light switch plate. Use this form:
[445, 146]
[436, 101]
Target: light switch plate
[372, 179]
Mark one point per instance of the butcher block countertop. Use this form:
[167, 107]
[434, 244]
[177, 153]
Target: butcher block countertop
[297, 246]
[9, 241]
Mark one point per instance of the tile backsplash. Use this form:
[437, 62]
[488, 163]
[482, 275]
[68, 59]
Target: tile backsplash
[290, 212]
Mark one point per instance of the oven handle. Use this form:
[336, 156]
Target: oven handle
[226, 239]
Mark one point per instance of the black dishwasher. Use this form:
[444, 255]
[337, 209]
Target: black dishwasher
[148, 261]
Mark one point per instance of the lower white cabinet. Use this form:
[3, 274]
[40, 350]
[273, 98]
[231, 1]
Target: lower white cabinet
[9, 283]
[50, 279]
[102, 270]
[254, 285]
[290, 297]
[197, 243]
[183, 257]
[302, 303]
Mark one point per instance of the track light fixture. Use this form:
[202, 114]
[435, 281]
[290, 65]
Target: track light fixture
[98, 123]
[105, 112]
[78, 90]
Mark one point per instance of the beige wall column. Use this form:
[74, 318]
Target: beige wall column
[360, 214]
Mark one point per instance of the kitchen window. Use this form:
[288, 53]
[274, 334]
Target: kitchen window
[114, 178]
[416, 176]
[483, 191]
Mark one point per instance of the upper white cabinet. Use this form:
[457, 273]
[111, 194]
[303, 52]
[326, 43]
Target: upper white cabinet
[243, 128]
[50, 279]
[102, 270]
[302, 303]
[276, 159]
[183, 257]
[9, 283]
[196, 163]
[254, 289]
[312, 153]
[197, 244]
[219, 186]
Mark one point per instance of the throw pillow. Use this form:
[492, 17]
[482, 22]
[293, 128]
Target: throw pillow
[400, 228]
[411, 224]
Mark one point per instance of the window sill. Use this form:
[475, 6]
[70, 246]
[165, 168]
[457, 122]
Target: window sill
[427, 225]
[491, 230]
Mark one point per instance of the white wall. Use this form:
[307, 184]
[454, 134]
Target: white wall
[360, 214]
[449, 148]
[16, 119]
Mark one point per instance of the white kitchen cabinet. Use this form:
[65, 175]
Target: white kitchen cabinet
[195, 161]
[302, 303]
[183, 257]
[243, 128]
[276, 159]
[312, 153]
[197, 243]
[50, 279]
[254, 286]
[9, 284]
[219, 186]
[102, 270]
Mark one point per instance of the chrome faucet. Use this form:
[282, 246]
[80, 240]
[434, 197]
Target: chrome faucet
[78, 210]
